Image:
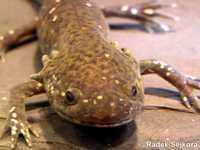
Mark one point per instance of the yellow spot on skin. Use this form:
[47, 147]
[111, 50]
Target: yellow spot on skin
[12, 109]
[36, 18]
[164, 27]
[14, 128]
[1, 37]
[85, 101]
[115, 44]
[48, 87]
[149, 11]
[185, 99]
[54, 53]
[117, 81]
[134, 11]
[124, 8]
[52, 88]
[88, 4]
[28, 136]
[11, 31]
[162, 63]
[57, 1]
[168, 74]
[27, 140]
[13, 132]
[131, 108]
[94, 102]
[45, 59]
[121, 100]
[99, 26]
[52, 10]
[162, 67]
[107, 55]
[100, 97]
[22, 131]
[55, 18]
[39, 84]
[112, 104]
[12, 139]
[4, 98]
[63, 94]
[59, 82]
[156, 62]
[169, 68]
[21, 124]
[14, 115]
[104, 78]
[83, 28]
[52, 92]
[15, 121]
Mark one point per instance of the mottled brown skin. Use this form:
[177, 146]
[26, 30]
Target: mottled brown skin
[88, 62]
[88, 80]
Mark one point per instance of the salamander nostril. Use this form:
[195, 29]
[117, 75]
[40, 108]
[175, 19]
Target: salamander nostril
[134, 90]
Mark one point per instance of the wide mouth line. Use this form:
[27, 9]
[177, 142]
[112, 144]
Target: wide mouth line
[93, 124]
[105, 125]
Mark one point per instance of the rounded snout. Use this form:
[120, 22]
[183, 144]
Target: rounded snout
[98, 114]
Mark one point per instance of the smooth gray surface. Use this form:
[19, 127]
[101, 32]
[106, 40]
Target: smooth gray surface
[180, 49]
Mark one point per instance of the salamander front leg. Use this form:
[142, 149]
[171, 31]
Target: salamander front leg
[17, 120]
[184, 83]
[144, 13]
[14, 36]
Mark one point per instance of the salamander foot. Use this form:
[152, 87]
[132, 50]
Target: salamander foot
[144, 13]
[18, 125]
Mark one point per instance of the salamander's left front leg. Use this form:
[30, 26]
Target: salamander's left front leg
[14, 36]
[184, 83]
[17, 119]
[144, 13]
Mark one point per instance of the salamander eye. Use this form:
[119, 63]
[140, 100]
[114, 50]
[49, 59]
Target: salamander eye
[134, 90]
[72, 96]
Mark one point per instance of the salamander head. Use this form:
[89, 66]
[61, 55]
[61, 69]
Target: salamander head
[101, 109]
[91, 96]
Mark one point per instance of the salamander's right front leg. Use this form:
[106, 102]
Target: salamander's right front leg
[16, 120]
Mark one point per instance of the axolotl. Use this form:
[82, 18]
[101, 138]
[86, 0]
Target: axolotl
[88, 79]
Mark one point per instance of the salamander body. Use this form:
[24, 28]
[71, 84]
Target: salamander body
[88, 79]
[104, 81]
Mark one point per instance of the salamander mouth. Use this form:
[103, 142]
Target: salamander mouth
[96, 124]
[103, 125]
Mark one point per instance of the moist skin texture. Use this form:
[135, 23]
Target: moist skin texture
[104, 80]
[89, 80]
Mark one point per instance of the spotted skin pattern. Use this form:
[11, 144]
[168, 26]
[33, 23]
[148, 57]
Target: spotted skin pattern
[99, 102]
[88, 80]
